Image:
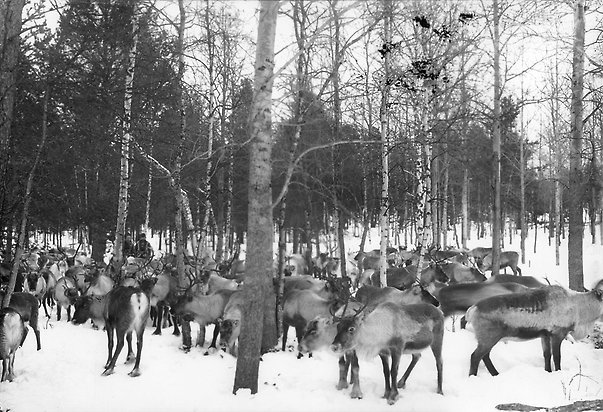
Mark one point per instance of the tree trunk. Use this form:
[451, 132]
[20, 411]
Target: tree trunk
[10, 30]
[124, 175]
[384, 121]
[210, 132]
[576, 222]
[175, 183]
[496, 209]
[147, 209]
[465, 209]
[522, 192]
[257, 288]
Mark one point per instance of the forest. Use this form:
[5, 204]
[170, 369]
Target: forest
[428, 119]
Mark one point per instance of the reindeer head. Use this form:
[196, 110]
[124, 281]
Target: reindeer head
[347, 329]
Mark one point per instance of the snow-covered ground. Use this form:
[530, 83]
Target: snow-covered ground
[65, 375]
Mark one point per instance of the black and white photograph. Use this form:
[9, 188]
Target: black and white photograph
[301, 205]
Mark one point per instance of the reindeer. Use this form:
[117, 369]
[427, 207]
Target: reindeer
[459, 297]
[550, 313]
[300, 307]
[527, 281]
[64, 293]
[203, 309]
[122, 310]
[507, 259]
[321, 331]
[390, 330]
[12, 335]
[230, 325]
[27, 306]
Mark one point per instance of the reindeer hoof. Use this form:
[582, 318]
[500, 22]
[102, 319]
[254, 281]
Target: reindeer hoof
[342, 385]
[157, 332]
[300, 355]
[108, 372]
[401, 384]
[356, 394]
[134, 373]
[185, 349]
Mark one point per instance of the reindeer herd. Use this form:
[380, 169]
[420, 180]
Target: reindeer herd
[355, 317]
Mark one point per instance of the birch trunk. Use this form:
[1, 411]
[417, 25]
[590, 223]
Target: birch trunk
[258, 281]
[210, 131]
[496, 209]
[384, 123]
[147, 209]
[124, 175]
[424, 183]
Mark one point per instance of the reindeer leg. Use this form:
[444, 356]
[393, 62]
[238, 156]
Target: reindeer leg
[201, 336]
[343, 363]
[356, 391]
[4, 370]
[136, 371]
[413, 362]
[489, 364]
[159, 309]
[130, 356]
[214, 338]
[175, 321]
[118, 348]
[186, 335]
[482, 352]
[393, 393]
[546, 351]
[385, 364]
[285, 332]
[109, 329]
[556, 346]
[153, 315]
[299, 332]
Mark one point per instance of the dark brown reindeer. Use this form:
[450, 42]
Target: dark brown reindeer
[27, 306]
[549, 313]
[459, 297]
[12, 335]
[122, 311]
[527, 281]
[389, 331]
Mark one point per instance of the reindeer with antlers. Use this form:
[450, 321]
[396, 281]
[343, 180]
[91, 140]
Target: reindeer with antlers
[390, 330]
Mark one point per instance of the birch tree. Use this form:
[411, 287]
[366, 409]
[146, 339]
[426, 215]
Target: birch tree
[384, 124]
[124, 176]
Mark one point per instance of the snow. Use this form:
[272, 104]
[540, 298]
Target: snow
[66, 374]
